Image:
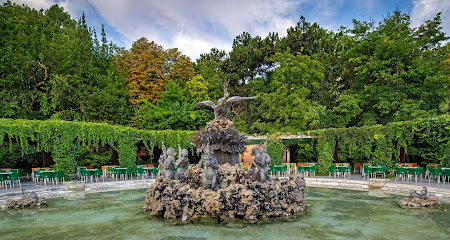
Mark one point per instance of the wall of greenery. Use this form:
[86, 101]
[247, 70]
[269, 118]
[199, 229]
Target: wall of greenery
[380, 145]
[64, 139]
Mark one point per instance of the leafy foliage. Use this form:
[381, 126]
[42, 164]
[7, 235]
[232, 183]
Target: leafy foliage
[380, 145]
[275, 150]
[64, 139]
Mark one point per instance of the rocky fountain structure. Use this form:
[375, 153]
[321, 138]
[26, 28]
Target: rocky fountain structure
[419, 200]
[218, 188]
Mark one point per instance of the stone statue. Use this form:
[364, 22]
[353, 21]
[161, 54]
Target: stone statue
[223, 104]
[210, 168]
[167, 160]
[421, 195]
[181, 163]
[261, 166]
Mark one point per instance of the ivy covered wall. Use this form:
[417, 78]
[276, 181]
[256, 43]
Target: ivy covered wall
[380, 145]
[63, 138]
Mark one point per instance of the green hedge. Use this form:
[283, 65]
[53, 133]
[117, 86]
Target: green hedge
[63, 138]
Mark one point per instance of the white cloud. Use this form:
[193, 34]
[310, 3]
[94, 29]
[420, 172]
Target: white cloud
[44, 4]
[198, 25]
[427, 9]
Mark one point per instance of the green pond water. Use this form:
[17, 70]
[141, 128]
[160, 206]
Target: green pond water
[330, 214]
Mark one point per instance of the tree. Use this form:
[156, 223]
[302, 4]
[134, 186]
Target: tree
[144, 66]
[174, 110]
[149, 68]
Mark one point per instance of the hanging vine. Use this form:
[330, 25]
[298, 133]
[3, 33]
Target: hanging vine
[380, 145]
[62, 138]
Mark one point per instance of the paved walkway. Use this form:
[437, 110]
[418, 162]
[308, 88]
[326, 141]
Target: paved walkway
[60, 190]
[356, 182]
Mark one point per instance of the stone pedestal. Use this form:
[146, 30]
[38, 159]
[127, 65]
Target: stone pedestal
[225, 140]
[226, 157]
[377, 183]
[75, 185]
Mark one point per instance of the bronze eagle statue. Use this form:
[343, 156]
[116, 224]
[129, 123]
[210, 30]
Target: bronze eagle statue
[223, 104]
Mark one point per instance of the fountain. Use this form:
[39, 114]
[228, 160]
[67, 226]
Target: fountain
[218, 188]
[220, 133]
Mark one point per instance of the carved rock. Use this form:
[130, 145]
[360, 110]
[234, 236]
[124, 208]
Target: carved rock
[225, 140]
[25, 202]
[236, 198]
[419, 203]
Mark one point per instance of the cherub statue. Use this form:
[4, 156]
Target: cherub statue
[181, 163]
[167, 160]
[262, 164]
[210, 168]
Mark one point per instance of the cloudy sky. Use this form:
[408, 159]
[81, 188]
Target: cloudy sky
[196, 26]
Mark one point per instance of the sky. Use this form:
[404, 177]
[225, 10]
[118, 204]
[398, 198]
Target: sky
[196, 26]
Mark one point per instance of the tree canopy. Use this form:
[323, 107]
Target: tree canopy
[55, 67]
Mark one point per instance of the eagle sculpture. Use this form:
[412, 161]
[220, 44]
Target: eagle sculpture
[223, 104]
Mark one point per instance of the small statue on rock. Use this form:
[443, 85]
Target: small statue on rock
[210, 166]
[181, 163]
[421, 195]
[261, 166]
[167, 160]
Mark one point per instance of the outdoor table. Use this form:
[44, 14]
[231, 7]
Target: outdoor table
[5, 173]
[50, 171]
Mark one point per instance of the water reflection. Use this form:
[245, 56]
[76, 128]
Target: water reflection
[330, 214]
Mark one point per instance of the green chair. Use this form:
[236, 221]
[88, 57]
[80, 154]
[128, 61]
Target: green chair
[420, 172]
[47, 177]
[154, 170]
[413, 172]
[59, 175]
[347, 171]
[36, 176]
[85, 175]
[368, 171]
[14, 170]
[311, 170]
[81, 169]
[98, 174]
[3, 180]
[2, 171]
[128, 173]
[435, 172]
[118, 173]
[301, 169]
[446, 174]
[400, 172]
[273, 170]
[427, 173]
[283, 169]
[14, 177]
[140, 172]
[333, 169]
